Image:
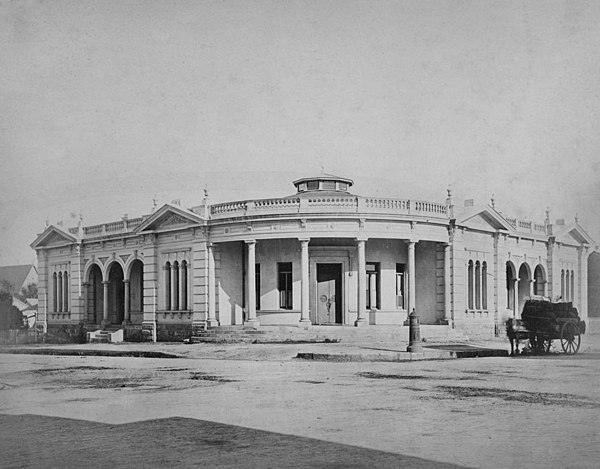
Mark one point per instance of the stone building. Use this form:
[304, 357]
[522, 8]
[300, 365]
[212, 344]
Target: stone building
[320, 256]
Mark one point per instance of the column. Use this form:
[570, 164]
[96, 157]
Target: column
[86, 296]
[211, 321]
[251, 319]
[305, 288]
[126, 301]
[447, 285]
[412, 295]
[516, 297]
[373, 291]
[361, 277]
[105, 320]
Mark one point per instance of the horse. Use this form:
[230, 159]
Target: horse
[516, 331]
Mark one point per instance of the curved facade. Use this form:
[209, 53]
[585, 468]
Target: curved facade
[320, 256]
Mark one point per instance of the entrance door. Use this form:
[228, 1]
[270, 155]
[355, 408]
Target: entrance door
[329, 293]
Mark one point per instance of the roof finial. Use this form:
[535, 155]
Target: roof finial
[449, 199]
[205, 191]
[493, 202]
[547, 216]
[322, 169]
[576, 218]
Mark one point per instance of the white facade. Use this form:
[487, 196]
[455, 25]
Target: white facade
[320, 256]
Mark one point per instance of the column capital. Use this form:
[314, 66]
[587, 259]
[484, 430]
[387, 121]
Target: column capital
[105, 282]
[362, 239]
[304, 240]
[125, 280]
[250, 241]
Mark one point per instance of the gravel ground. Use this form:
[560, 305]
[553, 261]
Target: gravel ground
[249, 407]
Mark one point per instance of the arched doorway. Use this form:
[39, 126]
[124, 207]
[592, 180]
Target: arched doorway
[524, 286]
[136, 292]
[593, 279]
[511, 278]
[95, 295]
[539, 284]
[116, 294]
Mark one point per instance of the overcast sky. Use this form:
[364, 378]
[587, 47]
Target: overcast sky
[107, 104]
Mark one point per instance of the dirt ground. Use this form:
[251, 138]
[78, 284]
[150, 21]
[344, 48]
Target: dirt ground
[284, 412]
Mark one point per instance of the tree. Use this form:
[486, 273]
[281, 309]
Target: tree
[10, 316]
[31, 291]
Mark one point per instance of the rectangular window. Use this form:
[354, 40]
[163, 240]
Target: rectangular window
[257, 285]
[373, 285]
[400, 269]
[343, 186]
[284, 272]
[312, 185]
[328, 185]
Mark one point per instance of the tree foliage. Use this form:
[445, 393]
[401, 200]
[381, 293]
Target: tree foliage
[10, 316]
[31, 291]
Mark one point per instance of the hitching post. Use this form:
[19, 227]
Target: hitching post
[414, 333]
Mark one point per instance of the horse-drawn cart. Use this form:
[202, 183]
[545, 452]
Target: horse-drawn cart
[543, 322]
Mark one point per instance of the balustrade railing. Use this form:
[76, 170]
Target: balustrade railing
[330, 204]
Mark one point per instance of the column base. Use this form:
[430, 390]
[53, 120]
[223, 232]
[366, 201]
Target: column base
[414, 348]
[252, 323]
[361, 322]
[104, 323]
[305, 323]
[212, 323]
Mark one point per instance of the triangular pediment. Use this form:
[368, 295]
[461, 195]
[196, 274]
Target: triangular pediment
[53, 236]
[170, 217]
[574, 234]
[486, 219]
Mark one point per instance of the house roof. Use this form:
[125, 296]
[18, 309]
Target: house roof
[15, 275]
[169, 216]
[487, 215]
[53, 234]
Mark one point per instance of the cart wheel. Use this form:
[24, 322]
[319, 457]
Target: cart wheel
[570, 338]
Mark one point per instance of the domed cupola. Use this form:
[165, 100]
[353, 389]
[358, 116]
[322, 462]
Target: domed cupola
[323, 183]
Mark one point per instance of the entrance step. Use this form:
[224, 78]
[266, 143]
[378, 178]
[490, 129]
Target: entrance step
[227, 335]
[105, 336]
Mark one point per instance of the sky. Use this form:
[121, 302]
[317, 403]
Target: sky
[108, 105]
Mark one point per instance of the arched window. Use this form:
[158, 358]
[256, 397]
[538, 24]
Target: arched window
[572, 286]
[477, 285]
[567, 287]
[184, 285]
[509, 287]
[60, 292]
[168, 285]
[65, 291]
[54, 291]
[484, 285]
[175, 287]
[538, 285]
[470, 274]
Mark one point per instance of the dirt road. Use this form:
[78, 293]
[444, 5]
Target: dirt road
[484, 412]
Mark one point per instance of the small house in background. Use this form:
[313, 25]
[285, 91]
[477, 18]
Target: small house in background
[28, 309]
[14, 278]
